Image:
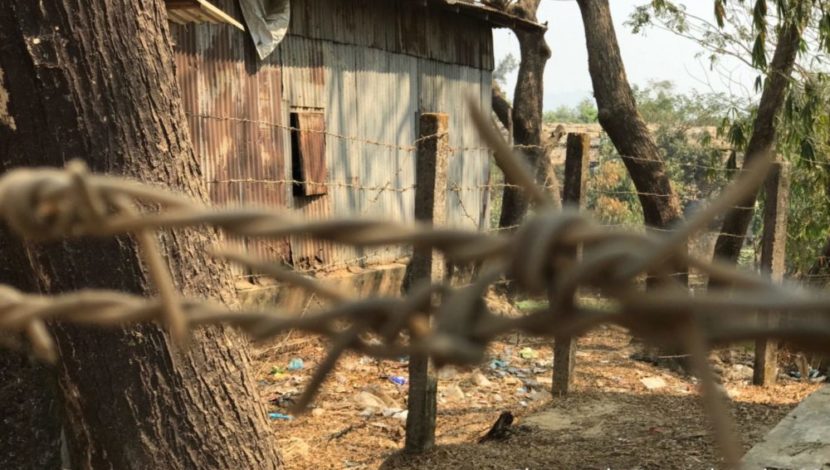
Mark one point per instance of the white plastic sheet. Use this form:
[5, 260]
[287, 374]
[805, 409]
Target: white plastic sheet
[267, 22]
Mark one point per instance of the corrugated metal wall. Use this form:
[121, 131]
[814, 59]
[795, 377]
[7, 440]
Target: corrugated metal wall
[336, 59]
[236, 114]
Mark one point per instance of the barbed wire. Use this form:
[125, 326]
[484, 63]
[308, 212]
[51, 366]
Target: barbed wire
[408, 147]
[50, 204]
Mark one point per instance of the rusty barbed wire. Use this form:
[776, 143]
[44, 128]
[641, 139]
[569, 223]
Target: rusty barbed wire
[48, 204]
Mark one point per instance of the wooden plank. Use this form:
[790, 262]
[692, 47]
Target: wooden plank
[577, 158]
[202, 10]
[427, 265]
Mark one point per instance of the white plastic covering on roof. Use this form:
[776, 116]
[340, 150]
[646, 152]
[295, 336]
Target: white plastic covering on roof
[267, 22]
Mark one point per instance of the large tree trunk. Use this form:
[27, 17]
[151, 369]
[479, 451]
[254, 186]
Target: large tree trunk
[95, 80]
[620, 119]
[30, 415]
[527, 109]
[503, 109]
[761, 143]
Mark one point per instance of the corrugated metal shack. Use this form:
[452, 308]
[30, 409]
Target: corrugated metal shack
[327, 123]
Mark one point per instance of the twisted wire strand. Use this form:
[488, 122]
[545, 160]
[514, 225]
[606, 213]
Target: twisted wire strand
[48, 204]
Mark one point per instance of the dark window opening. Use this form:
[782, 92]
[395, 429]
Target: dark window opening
[308, 153]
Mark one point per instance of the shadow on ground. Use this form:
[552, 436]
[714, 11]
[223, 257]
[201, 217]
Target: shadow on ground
[605, 430]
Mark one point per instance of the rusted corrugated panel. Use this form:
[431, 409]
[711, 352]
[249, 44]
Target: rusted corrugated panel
[270, 166]
[304, 86]
[307, 253]
[309, 143]
[233, 103]
[304, 77]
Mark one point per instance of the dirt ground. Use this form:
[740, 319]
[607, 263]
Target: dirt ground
[611, 420]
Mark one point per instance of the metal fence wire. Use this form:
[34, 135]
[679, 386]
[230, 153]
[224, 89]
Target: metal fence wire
[48, 204]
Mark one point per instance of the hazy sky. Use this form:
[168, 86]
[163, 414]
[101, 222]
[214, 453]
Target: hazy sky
[655, 55]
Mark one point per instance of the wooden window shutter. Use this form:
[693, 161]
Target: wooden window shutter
[309, 153]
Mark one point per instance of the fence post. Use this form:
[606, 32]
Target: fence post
[427, 265]
[773, 258]
[577, 159]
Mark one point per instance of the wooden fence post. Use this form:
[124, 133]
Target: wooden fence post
[427, 266]
[577, 159]
[773, 258]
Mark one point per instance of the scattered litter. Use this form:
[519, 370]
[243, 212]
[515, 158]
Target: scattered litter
[529, 353]
[367, 400]
[296, 364]
[532, 385]
[453, 393]
[279, 417]
[480, 380]
[510, 380]
[813, 376]
[398, 380]
[395, 413]
[447, 373]
[498, 364]
[277, 372]
[653, 383]
[286, 400]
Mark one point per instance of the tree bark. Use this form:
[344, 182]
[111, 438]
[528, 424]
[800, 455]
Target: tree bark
[527, 109]
[618, 115]
[502, 108]
[95, 80]
[30, 417]
[761, 143]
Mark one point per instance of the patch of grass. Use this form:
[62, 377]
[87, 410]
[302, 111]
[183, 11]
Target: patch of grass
[585, 301]
[531, 304]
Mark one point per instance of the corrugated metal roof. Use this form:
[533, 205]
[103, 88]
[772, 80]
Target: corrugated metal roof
[492, 16]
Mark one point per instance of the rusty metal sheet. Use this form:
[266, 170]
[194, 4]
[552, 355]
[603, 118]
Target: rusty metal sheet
[235, 114]
[309, 144]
